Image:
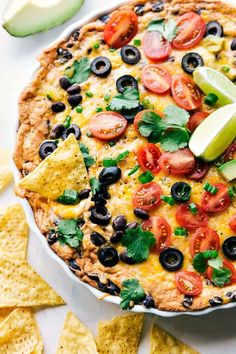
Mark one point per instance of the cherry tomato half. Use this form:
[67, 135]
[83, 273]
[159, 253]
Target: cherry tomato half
[190, 221]
[156, 47]
[216, 203]
[232, 223]
[121, 28]
[200, 170]
[204, 239]
[230, 153]
[226, 264]
[185, 93]
[180, 162]
[188, 283]
[148, 156]
[161, 230]
[107, 125]
[139, 116]
[196, 119]
[156, 78]
[191, 30]
[147, 196]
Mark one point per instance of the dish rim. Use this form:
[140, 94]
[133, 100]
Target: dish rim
[92, 15]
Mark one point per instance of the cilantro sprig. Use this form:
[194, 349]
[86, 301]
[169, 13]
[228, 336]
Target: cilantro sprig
[70, 233]
[201, 259]
[132, 293]
[81, 71]
[94, 184]
[168, 29]
[88, 159]
[127, 100]
[221, 276]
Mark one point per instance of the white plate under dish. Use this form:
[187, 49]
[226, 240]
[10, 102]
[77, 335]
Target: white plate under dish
[30, 216]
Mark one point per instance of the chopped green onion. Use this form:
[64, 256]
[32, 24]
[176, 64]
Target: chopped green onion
[133, 170]
[99, 109]
[67, 122]
[89, 134]
[94, 184]
[145, 103]
[225, 69]
[112, 143]
[180, 231]
[193, 208]
[79, 109]
[146, 177]
[89, 94]
[108, 108]
[211, 99]
[49, 97]
[138, 79]
[210, 188]
[137, 42]
[70, 196]
[96, 46]
[168, 200]
[232, 192]
[112, 50]
[108, 162]
[122, 156]
[107, 98]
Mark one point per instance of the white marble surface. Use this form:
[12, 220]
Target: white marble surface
[214, 333]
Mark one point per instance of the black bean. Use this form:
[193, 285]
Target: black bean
[117, 236]
[148, 301]
[84, 194]
[110, 288]
[74, 100]
[97, 239]
[229, 247]
[231, 295]
[58, 107]
[216, 301]
[109, 175]
[57, 131]
[119, 223]
[132, 225]
[74, 89]
[52, 237]
[63, 55]
[139, 10]
[188, 301]
[125, 258]
[74, 267]
[76, 35]
[64, 83]
[141, 214]
[158, 6]
[104, 18]
[233, 44]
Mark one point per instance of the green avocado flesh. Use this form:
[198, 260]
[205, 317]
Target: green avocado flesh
[25, 17]
[228, 170]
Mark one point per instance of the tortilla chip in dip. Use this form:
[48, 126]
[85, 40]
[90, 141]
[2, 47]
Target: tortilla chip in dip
[164, 343]
[22, 286]
[75, 338]
[120, 335]
[5, 171]
[63, 169]
[19, 333]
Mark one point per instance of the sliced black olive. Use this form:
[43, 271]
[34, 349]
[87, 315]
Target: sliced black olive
[64, 83]
[101, 66]
[74, 267]
[97, 239]
[171, 259]
[108, 256]
[126, 81]
[132, 225]
[130, 54]
[57, 131]
[229, 247]
[58, 107]
[119, 223]
[141, 214]
[74, 100]
[191, 61]
[126, 259]
[100, 215]
[130, 114]
[233, 44]
[216, 301]
[47, 148]
[148, 301]
[110, 175]
[180, 191]
[74, 89]
[116, 237]
[188, 301]
[72, 129]
[139, 10]
[52, 237]
[158, 6]
[214, 28]
[84, 194]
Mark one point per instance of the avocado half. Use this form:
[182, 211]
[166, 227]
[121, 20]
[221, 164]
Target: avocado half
[228, 170]
[25, 17]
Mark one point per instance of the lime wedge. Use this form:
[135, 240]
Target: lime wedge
[212, 81]
[214, 134]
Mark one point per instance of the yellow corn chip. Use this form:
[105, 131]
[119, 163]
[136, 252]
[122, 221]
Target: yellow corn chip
[5, 171]
[75, 338]
[19, 334]
[63, 169]
[13, 232]
[120, 335]
[4, 312]
[164, 343]
[22, 286]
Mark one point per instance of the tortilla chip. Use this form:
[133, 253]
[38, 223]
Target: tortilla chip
[4, 312]
[120, 335]
[13, 232]
[22, 286]
[63, 169]
[75, 338]
[164, 343]
[19, 333]
[5, 171]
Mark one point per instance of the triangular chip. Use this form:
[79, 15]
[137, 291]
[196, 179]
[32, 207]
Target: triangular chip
[120, 335]
[4, 312]
[75, 338]
[63, 169]
[19, 333]
[5, 171]
[22, 286]
[164, 343]
[13, 232]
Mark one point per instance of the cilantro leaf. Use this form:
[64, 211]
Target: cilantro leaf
[70, 233]
[138, 242]
[128, 100]
[88, 159]
[152, 127]
[215, 262]
[95, 185]
[176, 115]
[168, 29]
[221, 276]
[81, 71]
[174, 140]
[132, 292]
[199, 260]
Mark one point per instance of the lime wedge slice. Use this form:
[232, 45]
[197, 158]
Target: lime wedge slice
[214, 134]
[212, 81]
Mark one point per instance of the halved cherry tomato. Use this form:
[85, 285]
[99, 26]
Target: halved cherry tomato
[230, 153]
[200, 170]
[107, 125]
[121, 28]
[196, 119]
[161, 230]
[156, 78]
[226, 264]
[148, 156]
[185, 93]
[232, 223]
[139, 116]
[204, 239]
[156, 47]
[191, 29]
[216, 203]
[147, 196]
[188, 283]
[188, 220]
[180, 162]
